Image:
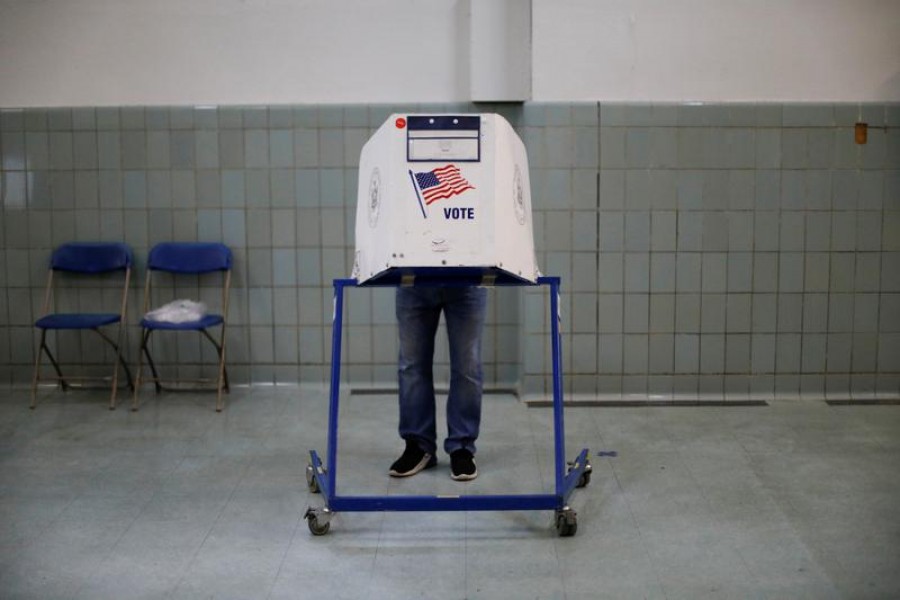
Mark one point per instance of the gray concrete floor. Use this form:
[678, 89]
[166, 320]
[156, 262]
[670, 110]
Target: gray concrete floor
[794, 500]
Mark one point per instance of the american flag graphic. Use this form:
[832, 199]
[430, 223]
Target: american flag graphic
[442, 183]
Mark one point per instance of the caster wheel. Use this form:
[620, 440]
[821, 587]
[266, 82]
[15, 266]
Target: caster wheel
[585, 477]
[317, 528]
[318, 520]
[584, 480]
[311, 481]
[566, 522]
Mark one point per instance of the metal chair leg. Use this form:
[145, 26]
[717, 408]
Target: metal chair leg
[120, 360]
[62, 380]
[37, 370]
[221, 380]
[222, 376]
[140, 373]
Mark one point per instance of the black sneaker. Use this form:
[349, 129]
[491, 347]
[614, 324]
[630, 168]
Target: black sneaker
[462, 465]
[413, 460]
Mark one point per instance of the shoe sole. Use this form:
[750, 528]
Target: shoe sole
[464, 476]
[427, 462]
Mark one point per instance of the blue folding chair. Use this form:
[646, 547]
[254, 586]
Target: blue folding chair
[82, 260]
[180, 259]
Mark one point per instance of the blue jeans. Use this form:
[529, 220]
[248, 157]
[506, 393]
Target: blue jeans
[418, 313]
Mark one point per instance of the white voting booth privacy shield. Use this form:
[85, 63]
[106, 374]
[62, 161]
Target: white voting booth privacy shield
[444, 196]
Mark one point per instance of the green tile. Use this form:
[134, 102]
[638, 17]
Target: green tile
[807, 115]
[36, 119]
[133, 117]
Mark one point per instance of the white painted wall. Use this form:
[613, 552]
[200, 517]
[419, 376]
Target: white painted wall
[121, 52]
[125, 52]
[716, 50]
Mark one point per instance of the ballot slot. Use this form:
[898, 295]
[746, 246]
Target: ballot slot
[443, 138]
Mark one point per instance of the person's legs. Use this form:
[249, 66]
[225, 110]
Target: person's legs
[464, 309]
[418, 314]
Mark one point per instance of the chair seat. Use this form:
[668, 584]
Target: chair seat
[76, 320]
[202, 323]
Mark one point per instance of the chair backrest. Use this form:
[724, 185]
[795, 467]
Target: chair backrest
[189, 257]
[91, 257]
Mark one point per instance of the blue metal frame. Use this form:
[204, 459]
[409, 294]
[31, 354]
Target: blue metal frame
[565, 482]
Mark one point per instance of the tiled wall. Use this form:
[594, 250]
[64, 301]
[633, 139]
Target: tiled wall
[736, 249]
[744, 249]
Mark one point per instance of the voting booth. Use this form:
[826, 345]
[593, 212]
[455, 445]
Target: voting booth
[445, 200]
[444, 195]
